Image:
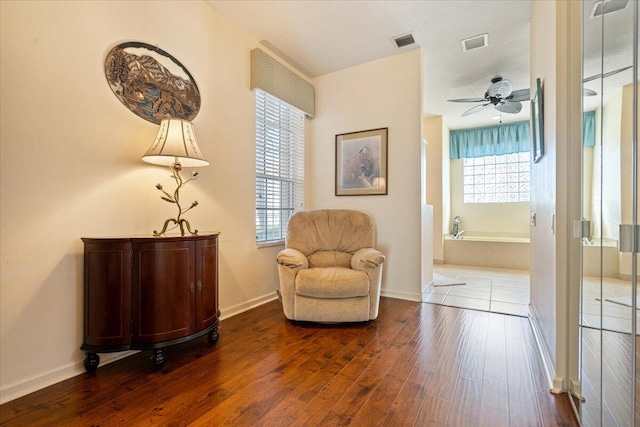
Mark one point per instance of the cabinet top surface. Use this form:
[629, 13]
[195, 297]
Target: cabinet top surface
[124, 239]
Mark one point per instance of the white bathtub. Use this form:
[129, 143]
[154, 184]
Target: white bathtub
[488, 251]
[489, 238]
[610, 258]
[514, 252]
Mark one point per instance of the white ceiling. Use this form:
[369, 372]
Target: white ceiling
[615, 45]
[320, 37]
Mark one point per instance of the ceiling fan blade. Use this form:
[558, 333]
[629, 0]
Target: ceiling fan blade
[476, 109]
[467, 100]
[509, 107]
[605, 75]
[500, 89]
[588, 92]
[520, 95]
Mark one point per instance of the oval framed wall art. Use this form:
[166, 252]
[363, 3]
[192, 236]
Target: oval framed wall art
[151, 82]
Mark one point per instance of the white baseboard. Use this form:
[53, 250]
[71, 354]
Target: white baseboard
[576, 389]
[556, 384]
[401, 295]
[426, 290]
[40, 381]
[54, 376]
[247, 305]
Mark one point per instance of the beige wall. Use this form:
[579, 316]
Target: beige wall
[433, 131]
[543, 185]
[426, 228]
[446, 181]
[626, 177]
[555, 196]
[588, 159]
[613, 158]
[606, 169]
[70, 166]
[382, 93]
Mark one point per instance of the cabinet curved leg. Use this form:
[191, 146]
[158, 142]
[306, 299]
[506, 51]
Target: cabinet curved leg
[213, 336]
[91, 362]
[158, 359]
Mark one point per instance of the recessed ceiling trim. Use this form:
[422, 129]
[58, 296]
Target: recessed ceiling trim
[603, 7]
[475, 42]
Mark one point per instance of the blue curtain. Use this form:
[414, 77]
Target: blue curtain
[589, 129]
[490, 141]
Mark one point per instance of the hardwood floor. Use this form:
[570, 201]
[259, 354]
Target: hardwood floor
[417, 365]
[607, 378]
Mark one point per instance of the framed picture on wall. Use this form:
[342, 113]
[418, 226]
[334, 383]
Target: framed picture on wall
[361, 163]
[537, 122]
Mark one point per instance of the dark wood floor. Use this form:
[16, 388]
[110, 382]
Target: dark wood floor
[418, 364]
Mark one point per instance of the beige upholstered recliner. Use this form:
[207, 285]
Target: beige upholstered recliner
[329, 271]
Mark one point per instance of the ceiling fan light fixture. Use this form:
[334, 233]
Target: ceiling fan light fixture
[603, 7]
[475, 42]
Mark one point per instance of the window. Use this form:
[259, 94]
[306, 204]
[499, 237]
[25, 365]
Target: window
[279, 165]
[497, 179]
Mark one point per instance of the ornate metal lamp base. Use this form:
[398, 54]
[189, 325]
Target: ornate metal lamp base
[178, 222]
[176, 167]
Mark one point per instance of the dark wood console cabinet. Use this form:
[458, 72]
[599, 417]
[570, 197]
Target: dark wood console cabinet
[146, 293]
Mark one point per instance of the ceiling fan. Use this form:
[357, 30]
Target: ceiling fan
[501, 95]
[604, 76]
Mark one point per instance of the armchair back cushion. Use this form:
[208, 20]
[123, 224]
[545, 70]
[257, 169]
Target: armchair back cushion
[333, 230]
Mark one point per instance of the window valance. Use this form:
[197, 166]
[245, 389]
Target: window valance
[589, 129]
[489, 141]
[274, 78]
[506, 139]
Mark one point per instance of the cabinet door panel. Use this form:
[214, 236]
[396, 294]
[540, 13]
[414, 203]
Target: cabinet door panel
[207, 274]
[163, 288]
[107, 294]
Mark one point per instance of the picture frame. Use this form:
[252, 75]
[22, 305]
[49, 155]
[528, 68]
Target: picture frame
[537, 122]
[361, 163]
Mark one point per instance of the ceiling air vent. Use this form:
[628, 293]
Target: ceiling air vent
[476, 42]
[403, 40]
[607, 6]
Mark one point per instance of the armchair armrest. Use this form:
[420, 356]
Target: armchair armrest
[292, 259]
[366, 258]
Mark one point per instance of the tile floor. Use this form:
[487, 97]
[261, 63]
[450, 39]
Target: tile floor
[488, 289]
[608, 315]
[507, 291]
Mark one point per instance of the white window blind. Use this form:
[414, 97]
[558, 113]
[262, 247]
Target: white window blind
[279, 165]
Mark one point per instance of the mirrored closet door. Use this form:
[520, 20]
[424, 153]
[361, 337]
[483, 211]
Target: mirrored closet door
[609, 373]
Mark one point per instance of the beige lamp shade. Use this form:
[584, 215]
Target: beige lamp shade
[175, 143]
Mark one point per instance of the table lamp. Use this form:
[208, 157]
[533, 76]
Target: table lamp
[176, 147]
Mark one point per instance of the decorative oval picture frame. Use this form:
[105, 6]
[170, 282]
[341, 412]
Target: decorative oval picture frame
[151, 83]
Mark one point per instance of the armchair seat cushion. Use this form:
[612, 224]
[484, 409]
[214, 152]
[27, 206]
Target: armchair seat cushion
[331, 282]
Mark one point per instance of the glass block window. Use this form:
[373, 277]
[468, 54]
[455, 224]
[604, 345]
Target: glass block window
[497, 179]
[279, 166]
